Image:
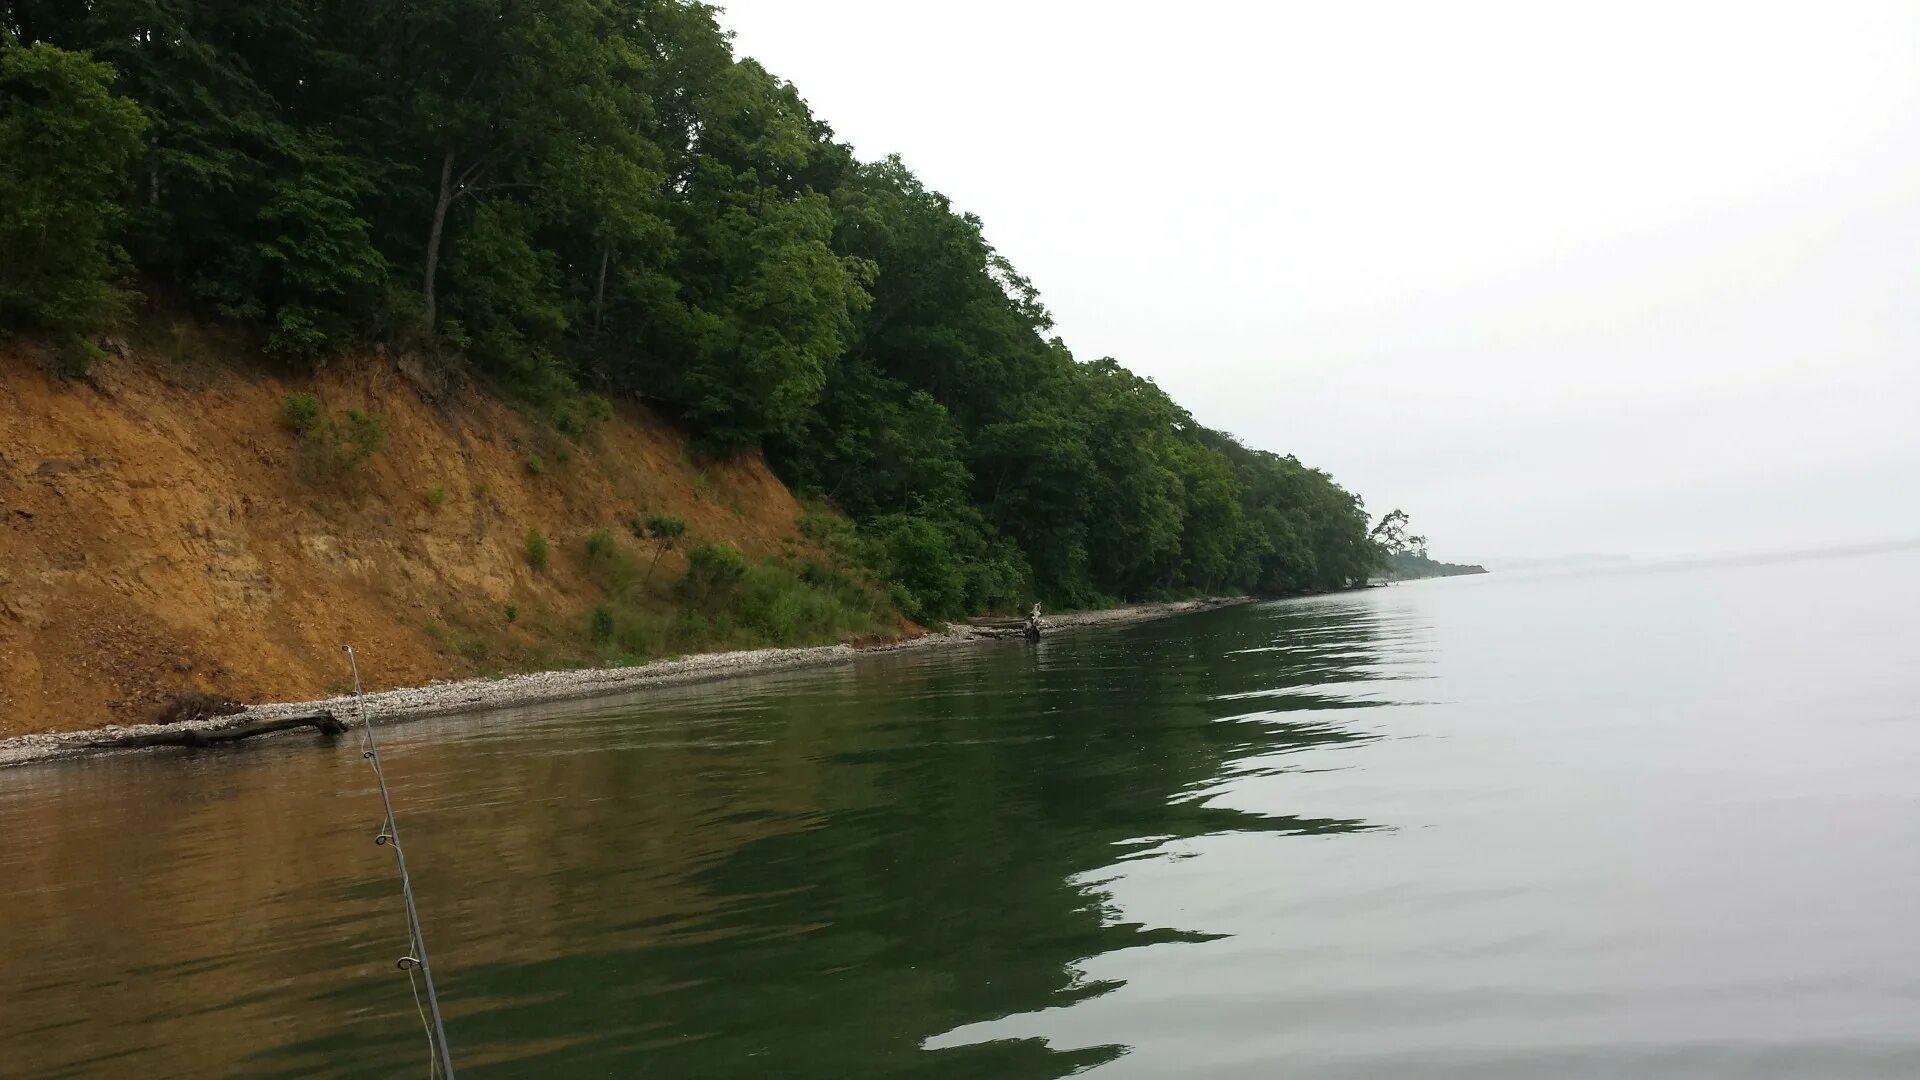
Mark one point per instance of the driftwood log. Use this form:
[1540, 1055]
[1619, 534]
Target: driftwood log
[1028, 627]
[322, 721]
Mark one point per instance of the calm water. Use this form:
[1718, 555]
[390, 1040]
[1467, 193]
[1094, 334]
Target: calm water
[1649, 823]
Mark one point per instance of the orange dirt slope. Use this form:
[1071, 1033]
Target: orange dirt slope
[155, 538]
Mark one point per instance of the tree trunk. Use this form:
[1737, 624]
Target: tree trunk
[323, 721]
[433, 240]
[600, 288]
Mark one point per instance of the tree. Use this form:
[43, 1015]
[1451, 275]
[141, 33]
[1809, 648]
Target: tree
[1212, 520]
[786, 316]
[918, 555]
[665, 530]
[562, 195]
[65, 143]
[1031, 478]
[1392, 538]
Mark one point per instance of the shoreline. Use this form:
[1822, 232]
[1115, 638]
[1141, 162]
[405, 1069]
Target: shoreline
[481, 694]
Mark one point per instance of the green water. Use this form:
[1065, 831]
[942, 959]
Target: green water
[1659, 822]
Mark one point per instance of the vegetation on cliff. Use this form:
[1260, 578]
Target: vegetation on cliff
[584, 200]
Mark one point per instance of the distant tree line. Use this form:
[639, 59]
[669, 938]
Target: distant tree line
[1407, 566]
[584, 199]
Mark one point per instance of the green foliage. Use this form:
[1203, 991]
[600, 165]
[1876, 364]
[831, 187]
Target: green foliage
[327, 450]
[729, 600]
[365, 433]
[790, 306]
[66, 143]
[1212, 539]
[599, 543]
[1392, 538]
[787, 607]
[315, 254]
[436, 495]
[461, 640]
[939, 565]
[576, 415]
[919, 557]
[600, 624]
[581, 200]
[536, 549]
[665, 530]
[713, 569]
[657, 525]
[769, 603]
[831, 532]
[300, 412]
[513, 612]
[660, 528]
[74, 354]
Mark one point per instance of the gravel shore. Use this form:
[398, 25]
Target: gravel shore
[473, 695]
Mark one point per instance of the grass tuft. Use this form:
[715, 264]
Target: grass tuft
[536, 545]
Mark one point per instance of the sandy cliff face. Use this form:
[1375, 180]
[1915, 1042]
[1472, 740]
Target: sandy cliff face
[154, 535]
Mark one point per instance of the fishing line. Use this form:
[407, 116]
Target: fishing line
[441, 1061]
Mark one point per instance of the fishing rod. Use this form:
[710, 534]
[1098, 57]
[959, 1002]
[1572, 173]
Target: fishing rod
[442, 1054]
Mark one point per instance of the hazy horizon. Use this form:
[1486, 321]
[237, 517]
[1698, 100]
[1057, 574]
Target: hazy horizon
[1630, 280]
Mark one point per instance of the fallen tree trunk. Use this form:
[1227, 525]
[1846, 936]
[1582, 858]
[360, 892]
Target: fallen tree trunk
[322, 721]
[1010, 628]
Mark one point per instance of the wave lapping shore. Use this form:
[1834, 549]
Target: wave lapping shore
[476, 695]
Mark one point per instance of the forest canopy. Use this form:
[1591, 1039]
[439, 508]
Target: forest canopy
[576, 199]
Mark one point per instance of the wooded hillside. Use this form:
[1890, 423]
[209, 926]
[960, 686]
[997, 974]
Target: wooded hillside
[582, 201]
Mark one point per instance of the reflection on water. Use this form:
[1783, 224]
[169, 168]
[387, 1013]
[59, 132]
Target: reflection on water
[817, 874]
[1637, 825]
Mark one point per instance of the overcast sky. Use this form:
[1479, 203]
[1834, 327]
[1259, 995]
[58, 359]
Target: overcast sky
[1554, 278]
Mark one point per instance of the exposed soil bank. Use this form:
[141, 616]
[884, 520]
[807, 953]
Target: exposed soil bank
[156, 535]
[473, 695]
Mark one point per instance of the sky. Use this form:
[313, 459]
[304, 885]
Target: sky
[1633, 278]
